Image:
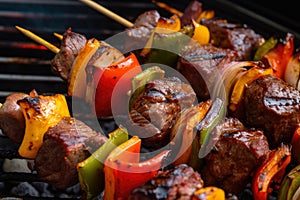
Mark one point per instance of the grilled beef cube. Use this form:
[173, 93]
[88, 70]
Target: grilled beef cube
[70, 46]
[65, 145]
[12, 121]
[179, 182]
[138, 35]
[273, 106]
[198, 64]
[155, 110]
[237, 37]
[191, 12]
[236, 155]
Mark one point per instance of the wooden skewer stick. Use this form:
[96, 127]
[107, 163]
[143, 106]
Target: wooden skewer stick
[168, 8]
[59, 36]
[39, 40]
[108, 13]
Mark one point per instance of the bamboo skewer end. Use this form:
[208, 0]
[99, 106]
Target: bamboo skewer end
[38, 39]
[108, 13]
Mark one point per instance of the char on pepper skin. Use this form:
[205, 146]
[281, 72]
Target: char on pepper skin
[70, 46]
[273, 106]
[154, 112]
[236, 156]
[65, 145]
[179, 182]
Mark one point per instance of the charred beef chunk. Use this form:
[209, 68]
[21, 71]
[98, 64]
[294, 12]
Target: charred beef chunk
[237, 37]
[273, 106]
[154, 112]
[191, 12]
[70, 46]
[198, 64]
[236, 155]
[65, 144]
[12, 121]
[177, 183]
[138, 35]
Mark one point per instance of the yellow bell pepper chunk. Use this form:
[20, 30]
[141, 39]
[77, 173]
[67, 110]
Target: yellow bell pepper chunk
[165, 25]
[77, 80]
[247, 78]
[201, 33]
[40, 113]
[209, 193]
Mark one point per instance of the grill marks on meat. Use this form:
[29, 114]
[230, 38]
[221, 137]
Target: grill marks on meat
[198, 64]
[274, 106]
[237, 37]
[64, 145]
[179, 182]
[236, 156]
[156, 109]
[70, 47]
[12, 121]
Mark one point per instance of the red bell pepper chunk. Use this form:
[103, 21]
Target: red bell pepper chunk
[272, 170]
[124, 172]
[105, 79]
[279, 56]
[296, 145]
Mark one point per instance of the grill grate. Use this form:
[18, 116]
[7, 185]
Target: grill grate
[25, 65]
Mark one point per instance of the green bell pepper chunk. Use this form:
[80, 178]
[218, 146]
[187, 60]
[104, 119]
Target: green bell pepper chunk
[140, 80]
[290, 184]
[214, 115]
[166, 47]
[90, 171]
[265, 48]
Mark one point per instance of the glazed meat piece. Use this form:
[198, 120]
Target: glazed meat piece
[70, 46]
[179, 182]
[274, 106]
[237, 37]
[138, 35]
[191, 12]
[236, 155]
[198, 64]
[12, 121]
[155, 110]
[65, 145]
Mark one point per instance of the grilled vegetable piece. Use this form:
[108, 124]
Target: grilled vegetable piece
[207, 139]
[105, 78]
[272, 170]
[265, 48]
[179, 182]
[278, 57]
[290, 184]
[272, 105]
[90, 171]
[12, 121]
[154, 112]
[124, 171]
[183, 133]
[209, 193]
[40, 113]
[292, 71]
[64, 146]
[237, 153]
[70, 46]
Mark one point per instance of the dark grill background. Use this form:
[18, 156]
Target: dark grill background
[25, 65]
